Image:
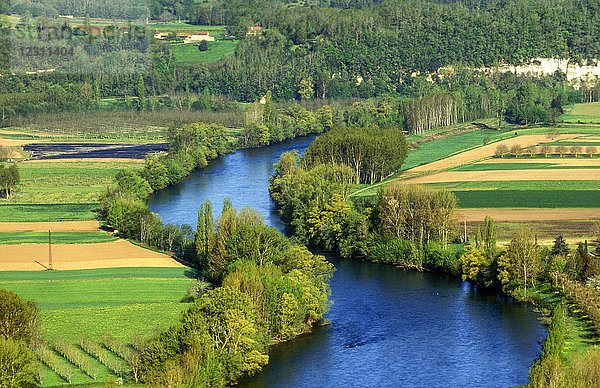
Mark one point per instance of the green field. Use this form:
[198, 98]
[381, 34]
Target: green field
[186, 54]
[59, 182]
[57, 237]
[528, 199]
[442, 148]
[40, 212]
[582, 113]
[122, 302]
[522, 185]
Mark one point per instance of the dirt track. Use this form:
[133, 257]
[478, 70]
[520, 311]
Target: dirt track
[63, 226]
[81, 256]
[503, 215]
[486, 151]
[583, 174]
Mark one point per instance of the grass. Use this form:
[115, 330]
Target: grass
[522, 185]
[59, 182]
[186, 54]
[122, 302]
[441, 148]
[57, 237]
[47, 212]
[582, 113]
[528, 199]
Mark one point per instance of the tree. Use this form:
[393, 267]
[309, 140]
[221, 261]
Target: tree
[18, 317]
[575, 150]
[519, 264]
[516, 150]
[545, 149]
[561, 150]
[501, 150]
[17, 364]
[205, 231]
[560, 247]
[5, 153]
[591, 150]
[203, 46]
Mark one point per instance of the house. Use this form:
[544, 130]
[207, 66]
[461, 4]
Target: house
[199, 37]
[254, 30]
[160, 35]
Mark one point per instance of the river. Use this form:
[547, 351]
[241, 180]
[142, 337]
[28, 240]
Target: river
[389, 327]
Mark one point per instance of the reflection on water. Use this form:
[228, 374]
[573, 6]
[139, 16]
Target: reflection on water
[390, 328]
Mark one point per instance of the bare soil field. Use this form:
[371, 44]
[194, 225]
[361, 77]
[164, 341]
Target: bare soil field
[516, 215]
[92, 150]
[116, 160]
[583, 174]
[486, 151]
[63, 226]
[115, 254]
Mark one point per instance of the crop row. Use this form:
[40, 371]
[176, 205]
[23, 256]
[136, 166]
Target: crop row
[71, 353]
[48, 357]
[95, 350]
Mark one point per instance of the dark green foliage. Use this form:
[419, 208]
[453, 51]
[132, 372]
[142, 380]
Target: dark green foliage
[372, 153]
[9, 179]
[18, 317]
[17, 364]
[203, 46]
[560, 247]
[270, 289]
[18, 329]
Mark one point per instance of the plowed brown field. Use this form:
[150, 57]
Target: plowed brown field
[81, 256]
[583, 174]
[515, 215]
[63, 226]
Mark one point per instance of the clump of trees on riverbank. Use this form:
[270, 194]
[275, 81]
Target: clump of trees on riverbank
[270, 290]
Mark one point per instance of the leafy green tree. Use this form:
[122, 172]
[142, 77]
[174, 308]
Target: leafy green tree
[519, 265]
[18, 317]
[560, 247]
[17, 364]
[203, 46]
[205, 232]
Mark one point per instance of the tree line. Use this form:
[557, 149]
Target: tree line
[371, 152]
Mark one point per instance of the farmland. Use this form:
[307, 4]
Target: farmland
[57, 237]
[127, 304]
[188, 54]
[465, 161]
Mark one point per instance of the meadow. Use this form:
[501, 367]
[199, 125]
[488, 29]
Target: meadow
[67, 181]
[57, 237]
[43, 212]
[582, 113]
[110, 309]
[527, 198]
[188, 54]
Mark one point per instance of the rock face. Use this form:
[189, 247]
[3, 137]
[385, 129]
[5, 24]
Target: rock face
[586, 74]
[578, 75]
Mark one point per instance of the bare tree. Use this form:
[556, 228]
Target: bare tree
[545, 149]
[561, 150]
[591, 150]
[575, 150]
[516, 150]
[5, 153]
[501, 150]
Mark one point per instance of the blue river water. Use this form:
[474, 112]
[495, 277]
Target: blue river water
[389, 327]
